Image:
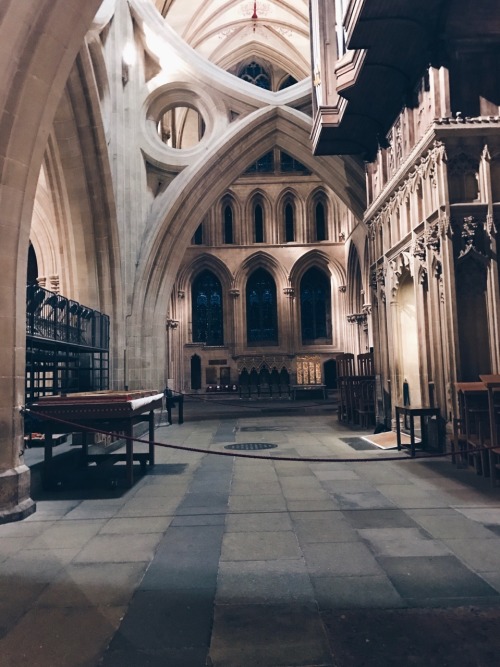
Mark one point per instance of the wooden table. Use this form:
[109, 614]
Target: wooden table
[407, 411]
[113, 411]
[308, 388]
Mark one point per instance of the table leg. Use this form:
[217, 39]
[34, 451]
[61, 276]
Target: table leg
[47, 459]
[151, 438]
[412, 435]
[398, 430]
[129, 449]
[85, 449]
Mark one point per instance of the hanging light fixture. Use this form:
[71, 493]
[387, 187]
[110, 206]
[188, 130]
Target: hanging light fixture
[255, 16]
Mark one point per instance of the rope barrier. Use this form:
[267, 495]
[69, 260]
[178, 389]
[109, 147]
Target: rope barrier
[199, 450]
[214, 401]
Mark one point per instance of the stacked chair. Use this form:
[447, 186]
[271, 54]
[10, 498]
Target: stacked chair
[356, 389]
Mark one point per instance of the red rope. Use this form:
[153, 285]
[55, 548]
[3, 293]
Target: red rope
[198, 450]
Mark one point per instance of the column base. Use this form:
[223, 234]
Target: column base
[15, 501]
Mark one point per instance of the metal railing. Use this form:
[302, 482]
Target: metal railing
[50, 316]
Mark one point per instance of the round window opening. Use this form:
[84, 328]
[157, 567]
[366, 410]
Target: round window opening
[181, 127]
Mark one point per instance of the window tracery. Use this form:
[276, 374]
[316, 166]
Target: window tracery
[262, 315]
[207, 309]
[315, 307]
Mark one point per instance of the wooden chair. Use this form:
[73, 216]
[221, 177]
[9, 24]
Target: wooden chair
[345, 373]
[366, 403]
[365, 364]
[473, 410]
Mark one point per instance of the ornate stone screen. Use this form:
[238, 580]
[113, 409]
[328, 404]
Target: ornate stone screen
[309, 369]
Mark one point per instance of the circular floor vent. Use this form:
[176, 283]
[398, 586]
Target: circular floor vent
[251, 446]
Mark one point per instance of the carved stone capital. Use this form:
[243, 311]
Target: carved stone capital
[342, 289]
[172, 324]
[432, 238]
[418, 249]
[235, 293]
[289, 292]
[357, 318]
[181, 294]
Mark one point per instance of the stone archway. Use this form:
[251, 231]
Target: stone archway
[44, 37]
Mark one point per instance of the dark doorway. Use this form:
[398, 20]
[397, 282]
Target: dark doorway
[195, 372]
[330, 373]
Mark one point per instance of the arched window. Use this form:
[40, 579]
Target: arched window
[315, 309]
[320, 222]
[258, 223]
[207, 310]
[32, 273]
[198, 236]
[289, 223]
[262, 315]
[287, 82]
[256, 74]
[228, 224]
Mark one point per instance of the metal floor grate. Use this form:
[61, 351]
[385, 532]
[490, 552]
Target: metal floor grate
[251, 446]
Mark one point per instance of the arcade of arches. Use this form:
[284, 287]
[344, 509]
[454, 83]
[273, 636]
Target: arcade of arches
[179, 169]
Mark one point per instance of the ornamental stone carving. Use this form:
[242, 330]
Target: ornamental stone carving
[432, 237]
[367, 309]
[418, 249]
[357, 318]
[490, 225]
[475, 239]
[469, 234]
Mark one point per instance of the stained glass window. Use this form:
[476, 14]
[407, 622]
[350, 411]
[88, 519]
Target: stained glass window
[315, 312]
[207, 309]
[198, 236]
[289, 224]
[320, 220]
[258, 219]
[228, 224]
[262, 316]
[256, 74]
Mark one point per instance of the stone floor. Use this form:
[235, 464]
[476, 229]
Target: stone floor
[231, 562]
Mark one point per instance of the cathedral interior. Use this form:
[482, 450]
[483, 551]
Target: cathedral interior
[240, 201]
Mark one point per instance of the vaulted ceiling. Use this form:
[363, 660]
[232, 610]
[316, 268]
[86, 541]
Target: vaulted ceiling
[229, 32]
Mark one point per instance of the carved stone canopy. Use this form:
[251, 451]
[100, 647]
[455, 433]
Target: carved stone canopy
[357, 318]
